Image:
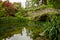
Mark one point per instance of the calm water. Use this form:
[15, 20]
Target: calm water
[20, 30]
[22, 36]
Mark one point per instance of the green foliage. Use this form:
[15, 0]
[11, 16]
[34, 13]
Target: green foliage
[53, 31]
[2, 10]
[16, 23]
[17, 7]
[0, 4]
[36, 1]
[8, 20]
[22, 13]
[36, 8]
[18, 14]
[54, 3]
[11, 25]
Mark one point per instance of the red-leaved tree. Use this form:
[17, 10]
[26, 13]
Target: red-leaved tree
[10, 10]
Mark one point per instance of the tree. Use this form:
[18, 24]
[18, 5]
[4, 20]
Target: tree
[55, 3]
[39, 2]
[28, 3]
[9, 7]
[44, 2]
[17, 7]
[35, 2]
[2, 9]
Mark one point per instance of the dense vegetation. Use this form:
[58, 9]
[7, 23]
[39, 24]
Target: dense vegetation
[44, 26]
[54, 3]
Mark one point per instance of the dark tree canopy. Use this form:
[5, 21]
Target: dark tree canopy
[55, 3]
[44, 2]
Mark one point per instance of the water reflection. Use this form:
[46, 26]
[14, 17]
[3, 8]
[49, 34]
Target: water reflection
[19, 36]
